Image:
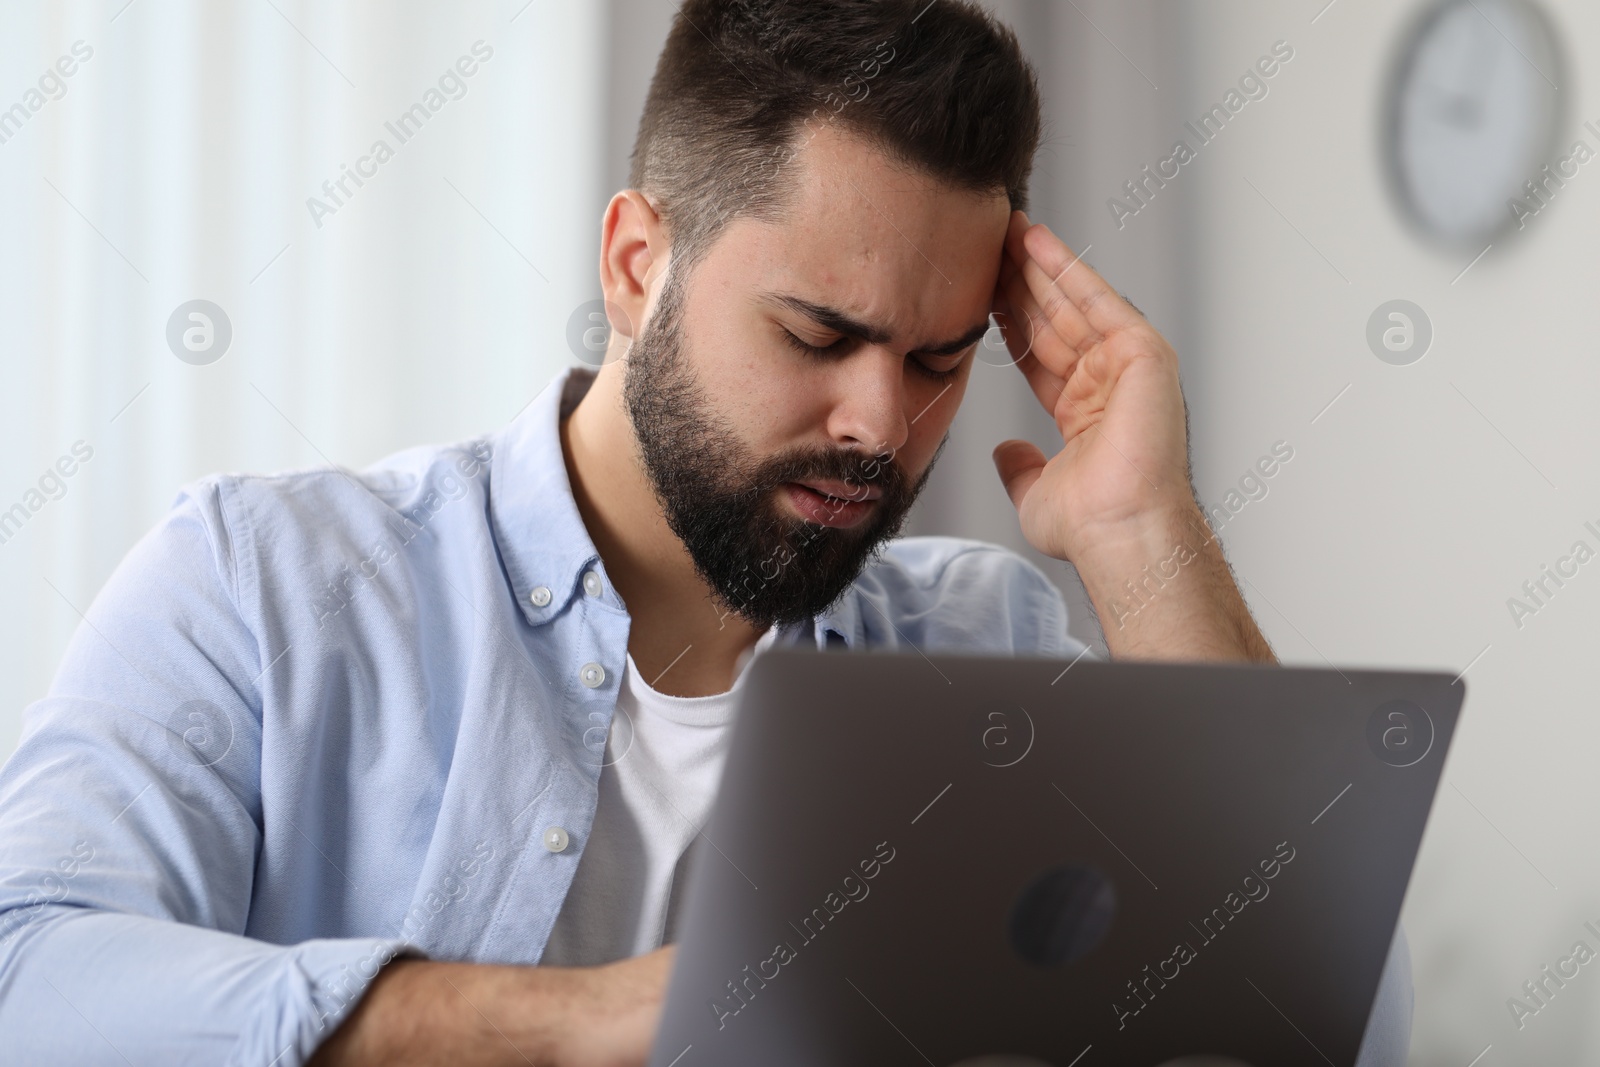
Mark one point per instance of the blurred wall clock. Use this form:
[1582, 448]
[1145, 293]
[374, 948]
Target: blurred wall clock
[1474, 108]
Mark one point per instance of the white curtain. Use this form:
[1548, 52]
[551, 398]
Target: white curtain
[175, 163]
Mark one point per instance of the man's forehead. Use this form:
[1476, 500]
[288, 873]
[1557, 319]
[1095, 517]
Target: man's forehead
[843, 182]
[864, 234]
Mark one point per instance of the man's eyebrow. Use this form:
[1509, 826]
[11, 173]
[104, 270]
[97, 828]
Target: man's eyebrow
[840, 323]
[834, 319]
[960, 344]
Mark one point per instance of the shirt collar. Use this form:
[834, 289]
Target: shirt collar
[543, 543]
[545, 547]
[840, 624]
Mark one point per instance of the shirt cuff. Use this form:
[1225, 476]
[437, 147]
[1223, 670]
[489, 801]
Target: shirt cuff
[319, 985]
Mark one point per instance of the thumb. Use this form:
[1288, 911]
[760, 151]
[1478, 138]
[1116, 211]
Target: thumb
[1020, 464]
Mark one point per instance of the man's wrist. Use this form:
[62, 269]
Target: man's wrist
[1164, 590]
[1111, 547]
[419, 1011]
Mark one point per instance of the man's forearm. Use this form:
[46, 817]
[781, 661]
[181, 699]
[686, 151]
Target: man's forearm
[485, 1015]
[425, 1012]
[1163, 590]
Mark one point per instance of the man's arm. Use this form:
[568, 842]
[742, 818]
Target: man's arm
[1117, 499]
[1163, 590]
[130, 819]
[479, 1015]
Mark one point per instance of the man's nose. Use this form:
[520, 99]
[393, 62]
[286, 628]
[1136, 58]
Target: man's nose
[869, 404]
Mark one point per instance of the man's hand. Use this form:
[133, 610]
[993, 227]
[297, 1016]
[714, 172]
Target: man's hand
[1116, 500]
[474, 1015]
[1109, 380]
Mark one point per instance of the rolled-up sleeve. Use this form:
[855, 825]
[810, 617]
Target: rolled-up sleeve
[130, 826]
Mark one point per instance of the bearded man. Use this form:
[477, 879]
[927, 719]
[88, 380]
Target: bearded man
[401, 766]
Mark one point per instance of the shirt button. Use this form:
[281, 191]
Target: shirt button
[592, 584]
[555, 839]
[540, 596]
[592, 675]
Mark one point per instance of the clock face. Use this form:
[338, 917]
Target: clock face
[1473, 115]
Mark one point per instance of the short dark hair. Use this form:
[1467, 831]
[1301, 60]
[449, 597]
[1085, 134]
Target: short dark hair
[940, 84]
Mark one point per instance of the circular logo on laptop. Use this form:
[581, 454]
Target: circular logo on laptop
[1400, 733]
[1062, 915]
[1007, 735]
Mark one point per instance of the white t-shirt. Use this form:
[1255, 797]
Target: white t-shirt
[662, 764]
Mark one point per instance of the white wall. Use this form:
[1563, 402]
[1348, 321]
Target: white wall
[190, 142]
[1407, 518]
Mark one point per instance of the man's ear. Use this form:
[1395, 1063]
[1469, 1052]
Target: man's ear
[634, 254]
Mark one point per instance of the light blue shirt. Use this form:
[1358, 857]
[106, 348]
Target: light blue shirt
[317, 720]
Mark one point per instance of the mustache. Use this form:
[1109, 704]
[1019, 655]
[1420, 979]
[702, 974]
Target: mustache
[857, 470]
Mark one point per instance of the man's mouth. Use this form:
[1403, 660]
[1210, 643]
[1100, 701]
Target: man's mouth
[836, 504]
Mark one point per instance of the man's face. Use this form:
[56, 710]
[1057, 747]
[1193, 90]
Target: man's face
[790, 397]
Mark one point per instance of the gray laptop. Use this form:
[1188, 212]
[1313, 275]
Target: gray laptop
[934, 860]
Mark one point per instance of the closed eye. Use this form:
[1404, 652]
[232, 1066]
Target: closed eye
[815, 350]
[935, 370]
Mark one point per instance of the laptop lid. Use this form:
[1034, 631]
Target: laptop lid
[922, 860]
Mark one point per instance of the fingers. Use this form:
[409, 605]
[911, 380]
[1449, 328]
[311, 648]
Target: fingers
[1021, 332]
[1014, 233]
[1093, 297]
[1019, 317]
[1056, 308]
[1009, 266]
[1077, 302]
[1045, 384]
[1050, 358]
[1020, 464]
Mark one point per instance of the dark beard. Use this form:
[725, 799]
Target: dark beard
[763, 564]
